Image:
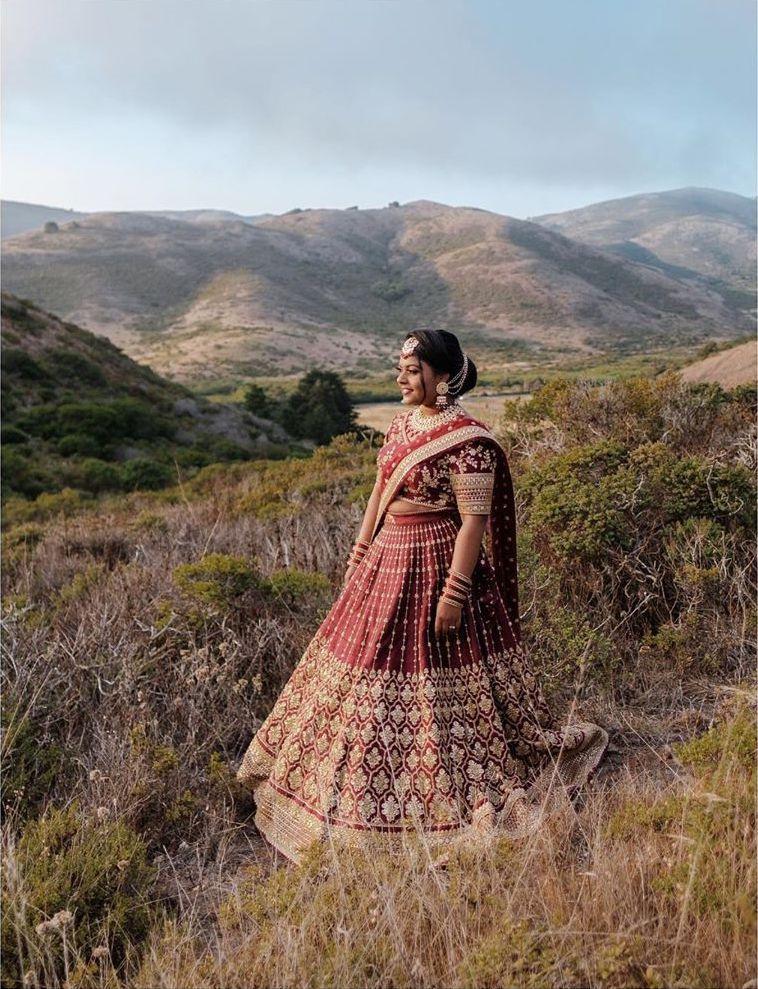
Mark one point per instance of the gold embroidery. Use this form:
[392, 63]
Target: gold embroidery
[371, 757]
[429, 448]
[473, 492]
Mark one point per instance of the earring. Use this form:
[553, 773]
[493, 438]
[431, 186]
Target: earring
[442, 389]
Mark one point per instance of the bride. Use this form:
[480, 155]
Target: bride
[414, 709]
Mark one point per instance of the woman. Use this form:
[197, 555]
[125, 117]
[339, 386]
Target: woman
[413, 709]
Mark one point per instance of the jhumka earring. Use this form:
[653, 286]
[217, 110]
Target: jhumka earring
[442, 390]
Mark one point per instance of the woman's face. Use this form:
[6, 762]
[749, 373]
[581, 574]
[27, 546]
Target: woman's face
[412, 375]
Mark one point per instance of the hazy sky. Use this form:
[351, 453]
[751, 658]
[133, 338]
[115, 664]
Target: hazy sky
[519, 107]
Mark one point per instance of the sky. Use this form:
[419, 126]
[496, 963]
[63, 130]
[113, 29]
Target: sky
[260, 106]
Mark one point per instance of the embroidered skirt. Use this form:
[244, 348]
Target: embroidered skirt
[385, 731]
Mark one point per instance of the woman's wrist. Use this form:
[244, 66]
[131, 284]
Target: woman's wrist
[358, 551]
[456, 588]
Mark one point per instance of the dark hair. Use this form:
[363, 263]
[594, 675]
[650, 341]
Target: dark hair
[441, 350]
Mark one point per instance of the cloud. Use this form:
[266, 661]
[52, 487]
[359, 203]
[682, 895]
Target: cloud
[576, 94]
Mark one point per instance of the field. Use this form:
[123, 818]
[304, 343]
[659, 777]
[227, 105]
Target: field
[146, 635]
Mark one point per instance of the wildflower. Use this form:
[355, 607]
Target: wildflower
[101, 813]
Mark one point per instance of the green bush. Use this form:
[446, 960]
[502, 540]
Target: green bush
[11, 434]
[16, 361]
[94, 475]
[217, 579]
[293, 585]
[143, 474]
[73, 444]
[73, 884]
[75, 368]
[31, 759]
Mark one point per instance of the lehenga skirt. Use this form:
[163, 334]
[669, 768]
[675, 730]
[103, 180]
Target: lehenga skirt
[384, 730]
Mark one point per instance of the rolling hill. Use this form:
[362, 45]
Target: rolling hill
[729, 367]
[238, 297]
[78, 412]
[688, 233]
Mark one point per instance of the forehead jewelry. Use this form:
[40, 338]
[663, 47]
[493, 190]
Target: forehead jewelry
[409, 346]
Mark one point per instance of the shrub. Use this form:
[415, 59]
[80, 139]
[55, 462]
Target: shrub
[11, 434]
[95, 475]
[74, 367]
[217, 579]
[31, 759]
[143, 474]
[71, 886]
[16, 361]
[79, 444]
[293, 585]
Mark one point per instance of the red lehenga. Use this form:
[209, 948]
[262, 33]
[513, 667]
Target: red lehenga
[384, 730]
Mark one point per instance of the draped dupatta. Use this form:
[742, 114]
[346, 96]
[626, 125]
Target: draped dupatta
[501, 524]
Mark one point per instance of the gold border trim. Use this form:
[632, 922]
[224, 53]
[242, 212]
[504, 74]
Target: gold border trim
[427, 449]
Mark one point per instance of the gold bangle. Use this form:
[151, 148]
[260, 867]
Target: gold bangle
[453, 595]
[454, 585]
[454, 604]
[457, 585]
[457, 575]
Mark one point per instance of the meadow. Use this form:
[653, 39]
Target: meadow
[147, 633]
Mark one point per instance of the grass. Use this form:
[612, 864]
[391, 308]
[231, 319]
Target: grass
[146, 636]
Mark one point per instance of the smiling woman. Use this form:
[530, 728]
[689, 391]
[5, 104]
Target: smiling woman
[414, 710]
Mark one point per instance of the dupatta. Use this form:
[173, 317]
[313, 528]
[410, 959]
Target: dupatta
[501, 523]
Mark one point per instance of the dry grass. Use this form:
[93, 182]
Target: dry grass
[129, 696]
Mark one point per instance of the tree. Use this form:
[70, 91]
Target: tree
[257, 401]
[51, 227]
[319, 408]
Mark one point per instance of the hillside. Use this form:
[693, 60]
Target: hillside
[17, 218]
[729, 367]
[147, 638]
[684, 232]
[202, 300]
[78, 412]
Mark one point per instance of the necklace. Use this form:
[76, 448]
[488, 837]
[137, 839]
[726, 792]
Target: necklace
[421, 422]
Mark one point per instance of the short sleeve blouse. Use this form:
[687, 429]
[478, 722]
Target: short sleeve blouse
[462, 478]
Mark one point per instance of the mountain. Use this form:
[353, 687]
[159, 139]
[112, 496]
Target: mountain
[729, 367]
[17, 218]
[684, 232]
[78, 412]
[338, 287]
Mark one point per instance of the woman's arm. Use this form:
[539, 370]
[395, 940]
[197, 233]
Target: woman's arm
[472, 478]
[468, 542]
[369, 518]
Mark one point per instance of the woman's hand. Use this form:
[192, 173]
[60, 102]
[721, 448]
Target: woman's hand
[447, 620]
[349, 573]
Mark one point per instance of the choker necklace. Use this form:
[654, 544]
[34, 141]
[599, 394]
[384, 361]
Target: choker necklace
[421, 422]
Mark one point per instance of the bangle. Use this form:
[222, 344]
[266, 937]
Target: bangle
[357, 554]
[447, 600]
[453, 585]
[454, 592]
[457, 585]
[458, 576]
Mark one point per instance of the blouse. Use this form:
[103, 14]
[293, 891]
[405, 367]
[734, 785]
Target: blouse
[463, 478]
